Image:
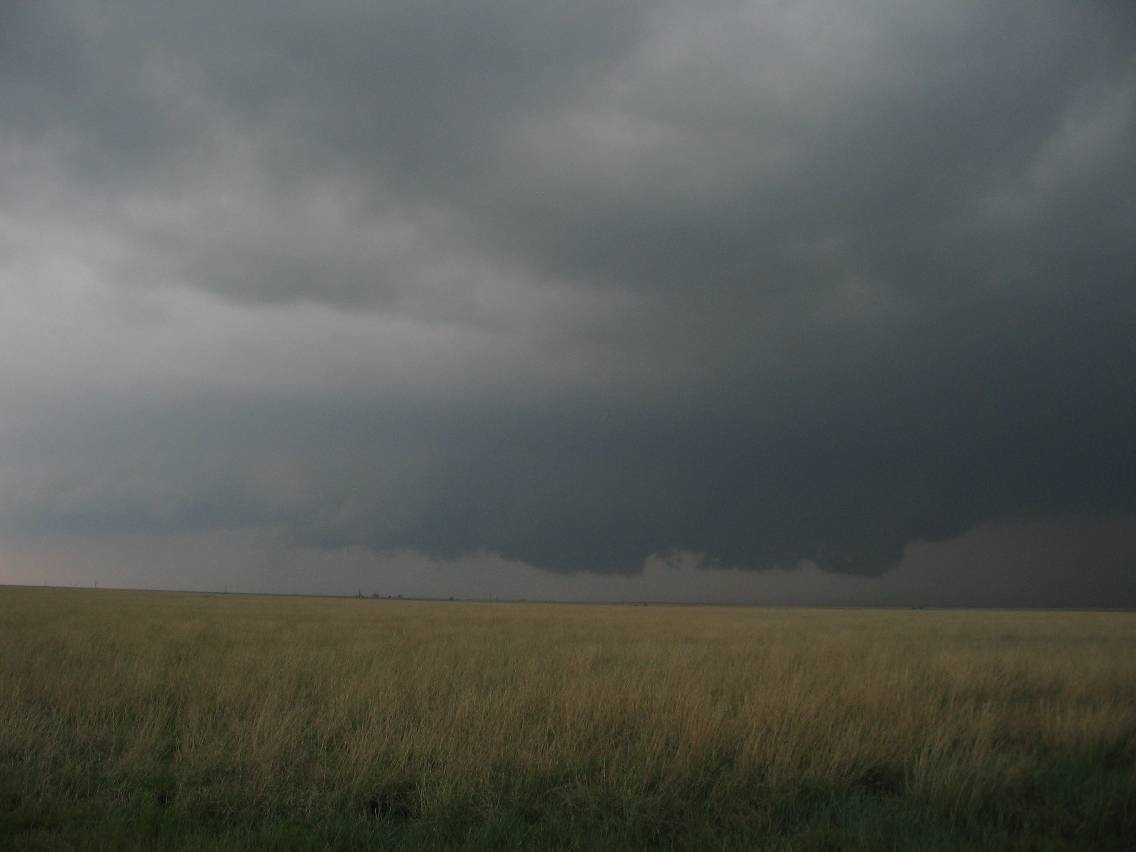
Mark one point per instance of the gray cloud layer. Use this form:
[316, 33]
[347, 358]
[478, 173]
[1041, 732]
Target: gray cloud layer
[573, 283]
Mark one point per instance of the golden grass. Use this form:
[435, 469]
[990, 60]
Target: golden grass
[195, 720]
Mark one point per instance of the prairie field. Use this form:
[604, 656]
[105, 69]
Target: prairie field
[191, 721]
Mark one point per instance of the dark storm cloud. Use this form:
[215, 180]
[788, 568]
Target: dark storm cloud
[572, 283]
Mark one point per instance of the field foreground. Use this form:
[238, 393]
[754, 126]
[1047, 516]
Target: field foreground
[158, 720]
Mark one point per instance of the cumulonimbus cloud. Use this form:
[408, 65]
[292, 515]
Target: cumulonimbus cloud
[570, 284]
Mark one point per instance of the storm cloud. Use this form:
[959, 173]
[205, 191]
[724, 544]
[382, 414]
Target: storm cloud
[574, 284]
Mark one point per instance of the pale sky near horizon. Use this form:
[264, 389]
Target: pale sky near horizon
[736, 301]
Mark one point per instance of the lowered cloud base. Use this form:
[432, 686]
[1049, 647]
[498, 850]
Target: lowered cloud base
[1061, 562]
[773, 283]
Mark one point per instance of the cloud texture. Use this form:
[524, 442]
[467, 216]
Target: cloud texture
[572, 283]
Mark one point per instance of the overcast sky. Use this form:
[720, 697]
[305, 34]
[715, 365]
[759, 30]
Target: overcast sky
[827, 300]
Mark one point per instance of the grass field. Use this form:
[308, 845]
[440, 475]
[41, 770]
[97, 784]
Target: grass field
[190, 721]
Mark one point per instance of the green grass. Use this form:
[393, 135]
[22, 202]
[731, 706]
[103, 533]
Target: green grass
[188, 721]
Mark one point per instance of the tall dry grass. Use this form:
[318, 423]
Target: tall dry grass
[141, 719]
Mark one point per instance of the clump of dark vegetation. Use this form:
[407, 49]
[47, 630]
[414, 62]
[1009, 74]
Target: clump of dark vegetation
[395, 804]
